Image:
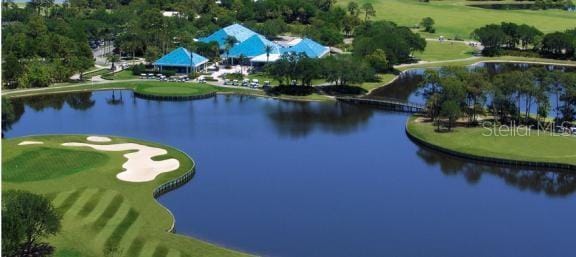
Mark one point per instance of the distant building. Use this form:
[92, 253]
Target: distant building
[253, 46]
[238, 31]
[182, 61]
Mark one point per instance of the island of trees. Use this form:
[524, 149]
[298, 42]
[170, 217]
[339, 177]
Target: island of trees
[456, 94]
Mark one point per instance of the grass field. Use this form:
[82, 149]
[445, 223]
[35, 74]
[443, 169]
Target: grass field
[121, 75]
[543, 148]
[437, 51]
[119, 84]
[102, 216]
[454, 18]
[176, 89]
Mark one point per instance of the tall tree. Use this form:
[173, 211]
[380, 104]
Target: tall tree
[27, 219]
[369, 11]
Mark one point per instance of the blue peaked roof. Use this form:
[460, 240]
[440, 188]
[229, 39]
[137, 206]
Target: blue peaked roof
[238, 31]
[253, 46]
[180, 57]
[308, 46]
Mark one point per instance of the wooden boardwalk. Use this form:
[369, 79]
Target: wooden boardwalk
[386, 103]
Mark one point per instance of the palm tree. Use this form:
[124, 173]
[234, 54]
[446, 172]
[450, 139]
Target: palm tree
[268, 50]
[113, 59]
[192, 68]
[229, 43]
[241, 59]
[368, 11]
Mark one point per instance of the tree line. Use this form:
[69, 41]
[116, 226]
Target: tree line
[452, 93]
[44, 42]
[511, 38]
[298, 69]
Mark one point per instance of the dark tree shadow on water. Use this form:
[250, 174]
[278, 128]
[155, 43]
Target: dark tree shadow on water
[298, 119]
[553, 183]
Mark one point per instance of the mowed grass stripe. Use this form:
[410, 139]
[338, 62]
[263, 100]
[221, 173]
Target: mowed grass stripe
[111, 209]
[91, 204]
[60, 198]
[130, 235]
[108, 229]
[135, 248]
[69, 201]
[106, 198]
[173, 253]
[149, 249]
[114, 240]
[160, 251]
[81, 201]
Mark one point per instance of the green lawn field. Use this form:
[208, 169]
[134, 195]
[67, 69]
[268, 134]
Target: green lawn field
[454, 18]
[543, 147]
[175, 89]
[102, 215]
[441, 51]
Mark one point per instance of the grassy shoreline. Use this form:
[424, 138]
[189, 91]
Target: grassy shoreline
[100, 211]
[476, 143]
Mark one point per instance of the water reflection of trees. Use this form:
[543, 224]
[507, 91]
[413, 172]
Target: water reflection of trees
[76, 101]
[552, 183]
[117, 98]
[296, 119]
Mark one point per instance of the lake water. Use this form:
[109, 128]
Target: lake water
[293, 179]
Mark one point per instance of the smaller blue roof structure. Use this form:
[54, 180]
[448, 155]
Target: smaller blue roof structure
[253, 46]
[310, 47]
[181, 57]
[238, 31]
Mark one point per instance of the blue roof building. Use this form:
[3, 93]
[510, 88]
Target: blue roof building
[181, 60]
[238, 31]
[310, 47]
[253, 46]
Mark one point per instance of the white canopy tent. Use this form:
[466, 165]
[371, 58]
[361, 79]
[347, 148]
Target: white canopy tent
[263, 58]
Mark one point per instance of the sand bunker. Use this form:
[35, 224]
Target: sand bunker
[98, 139]
[31, 143]
[139, 167]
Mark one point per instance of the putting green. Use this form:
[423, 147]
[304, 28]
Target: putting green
[40, 163]
[181, 89]
[102, 215]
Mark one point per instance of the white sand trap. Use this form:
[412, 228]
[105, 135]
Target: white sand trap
[31, 143]
[98, 139]
[139, 167]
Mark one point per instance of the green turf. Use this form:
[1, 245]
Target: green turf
[543, 147]
[440, 51]
[121, 75]
[103, 216]
[31, 165]
[454, 18]
[176, 89]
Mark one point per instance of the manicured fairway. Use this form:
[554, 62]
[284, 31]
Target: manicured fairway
[437, 51]
[102, 216]
[543, 148]
[453, 18]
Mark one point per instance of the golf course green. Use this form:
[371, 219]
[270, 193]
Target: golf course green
[542, 147]
[101, 214]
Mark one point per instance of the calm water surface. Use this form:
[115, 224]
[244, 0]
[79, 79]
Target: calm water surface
[324, 179]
